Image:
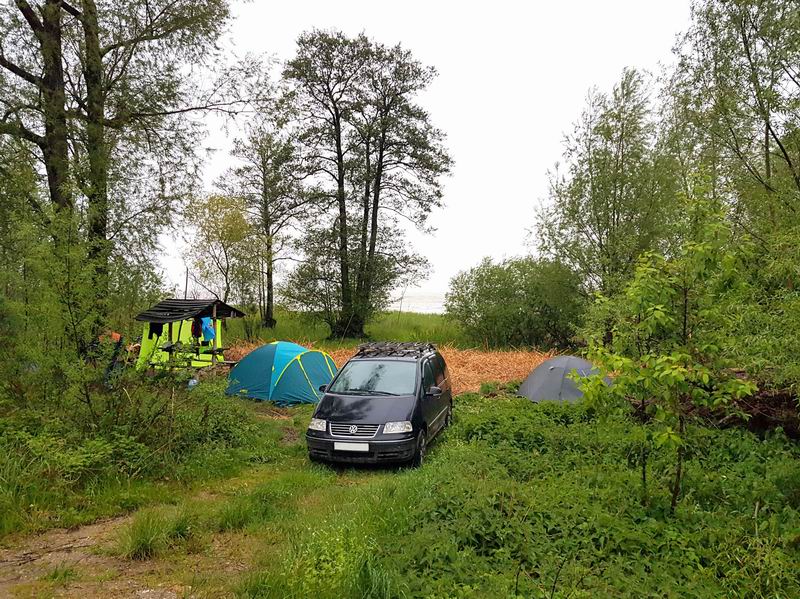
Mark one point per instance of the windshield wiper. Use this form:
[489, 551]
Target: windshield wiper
[365, 392]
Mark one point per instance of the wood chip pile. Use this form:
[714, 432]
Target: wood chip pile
[468, 367]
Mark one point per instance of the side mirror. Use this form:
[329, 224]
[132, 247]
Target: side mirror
[323, 388]
[434, 392]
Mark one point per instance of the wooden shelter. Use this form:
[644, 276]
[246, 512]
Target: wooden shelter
[184, 332]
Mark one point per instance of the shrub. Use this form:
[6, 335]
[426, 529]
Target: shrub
[517, 302]
[57, 469]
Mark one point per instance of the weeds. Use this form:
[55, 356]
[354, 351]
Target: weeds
[55, 474]
[61, 574]
[541, 501]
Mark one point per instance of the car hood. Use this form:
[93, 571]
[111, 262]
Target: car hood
[366, 409]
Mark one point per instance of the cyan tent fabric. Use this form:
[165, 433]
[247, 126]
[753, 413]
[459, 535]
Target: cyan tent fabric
[554, 380]
[282, 372]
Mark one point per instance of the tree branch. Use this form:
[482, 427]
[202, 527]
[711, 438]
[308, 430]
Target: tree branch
[20, 131]
[19, 71]
[30, 16]
[68, 8]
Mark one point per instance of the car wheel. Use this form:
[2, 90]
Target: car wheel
[421, 451]
[448, 419]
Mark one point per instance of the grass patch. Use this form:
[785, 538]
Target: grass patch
[268, 500]
[541, 500]
[386, 326]
[154, 530]
[61, 575]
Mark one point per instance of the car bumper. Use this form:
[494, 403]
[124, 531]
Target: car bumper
[396, 450]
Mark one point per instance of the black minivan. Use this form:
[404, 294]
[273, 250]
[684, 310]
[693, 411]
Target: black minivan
[385, 405]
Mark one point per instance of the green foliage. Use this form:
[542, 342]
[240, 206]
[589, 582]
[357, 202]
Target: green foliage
[663, 329]
[517, 302]
[225, 246]
[313, 286]
[616, 196]
[534, 500]
[377, 158]
[55, 470]
[758, 321]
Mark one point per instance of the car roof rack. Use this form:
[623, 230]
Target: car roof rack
[410, 349]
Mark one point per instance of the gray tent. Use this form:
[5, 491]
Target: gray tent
[551, 380]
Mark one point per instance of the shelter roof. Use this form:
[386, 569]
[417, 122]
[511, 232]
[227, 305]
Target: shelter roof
[174, 310]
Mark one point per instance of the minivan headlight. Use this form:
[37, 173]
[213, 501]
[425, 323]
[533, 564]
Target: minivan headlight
[318, 424]
[397, 427]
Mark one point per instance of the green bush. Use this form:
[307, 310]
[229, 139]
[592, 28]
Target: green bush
[517, 302]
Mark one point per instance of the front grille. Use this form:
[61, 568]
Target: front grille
[345, 429]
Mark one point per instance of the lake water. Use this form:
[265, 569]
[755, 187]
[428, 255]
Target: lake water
[415, 300]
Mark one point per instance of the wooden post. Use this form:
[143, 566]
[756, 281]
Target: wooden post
[169, 344]
[214, 340]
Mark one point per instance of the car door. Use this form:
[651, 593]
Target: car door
[439, 401]
[443, 382]
[430, 405]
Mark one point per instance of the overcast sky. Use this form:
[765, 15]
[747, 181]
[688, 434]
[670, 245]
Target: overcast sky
[513, 77]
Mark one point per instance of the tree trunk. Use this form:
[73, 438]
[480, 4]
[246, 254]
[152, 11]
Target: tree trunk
[56, 147]
[261, 298]
[268, 317]
[373, 232]
[97, 188]
[362, 257]
[676, 483]
[269, 311]
[346, 326]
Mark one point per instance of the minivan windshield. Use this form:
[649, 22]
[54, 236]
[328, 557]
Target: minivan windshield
[376, 377]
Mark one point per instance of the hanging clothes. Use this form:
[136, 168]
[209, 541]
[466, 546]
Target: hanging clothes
[208, 329]
[197, 328]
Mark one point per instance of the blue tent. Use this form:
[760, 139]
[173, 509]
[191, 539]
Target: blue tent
[282, 372]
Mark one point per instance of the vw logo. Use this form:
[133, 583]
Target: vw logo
[353, 429]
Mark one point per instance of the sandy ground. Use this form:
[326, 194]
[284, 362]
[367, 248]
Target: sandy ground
[468, 367]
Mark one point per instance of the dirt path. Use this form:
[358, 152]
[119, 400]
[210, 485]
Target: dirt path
[80, 563]
[40, 564]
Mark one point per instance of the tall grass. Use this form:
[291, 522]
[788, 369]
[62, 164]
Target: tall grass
[153, 531]
[413, 326]
[54, 475]
[387, 326]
